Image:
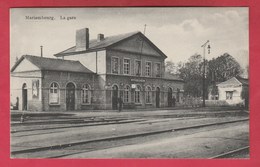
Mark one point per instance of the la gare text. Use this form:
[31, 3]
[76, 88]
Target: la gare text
[68, 18]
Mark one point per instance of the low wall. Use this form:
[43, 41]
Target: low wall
[224, 103]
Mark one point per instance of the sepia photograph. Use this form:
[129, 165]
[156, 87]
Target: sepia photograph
[129, 82]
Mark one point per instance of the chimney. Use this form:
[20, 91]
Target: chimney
[41, 52]
[100, 37]
[82, 39]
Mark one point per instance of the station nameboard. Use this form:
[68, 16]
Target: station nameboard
[137, 80]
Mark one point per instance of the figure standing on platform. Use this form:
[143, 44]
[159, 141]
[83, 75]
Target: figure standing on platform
[120, 103]
[173, 101]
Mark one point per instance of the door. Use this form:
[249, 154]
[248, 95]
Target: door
[157, 97]
[170, 100]
[70, 96]
[25, 97]
[114, 97]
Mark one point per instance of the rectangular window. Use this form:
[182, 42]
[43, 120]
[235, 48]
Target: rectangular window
[85, 94]
[115, 65]
[148, 66]
[138, 68]
[157, 70]
[229, 95]
[126, 66]
[54, 98]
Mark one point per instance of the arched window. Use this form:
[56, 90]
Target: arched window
[148, 95]
[138, 94]
[86, 94]
[54, 93]
[127, 94]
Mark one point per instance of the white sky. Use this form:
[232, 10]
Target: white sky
[178, 32]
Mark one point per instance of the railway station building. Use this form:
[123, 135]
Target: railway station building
[93, 74]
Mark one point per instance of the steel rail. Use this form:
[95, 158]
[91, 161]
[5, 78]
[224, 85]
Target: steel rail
[61, 146]
[226, 154]
[82, 125]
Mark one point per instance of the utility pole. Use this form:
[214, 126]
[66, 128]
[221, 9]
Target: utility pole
[142, 51]
[204, 71]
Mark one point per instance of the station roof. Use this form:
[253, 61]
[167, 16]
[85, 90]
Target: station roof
[234, 81]
[95, 45]
[52, 64]
[170, 76]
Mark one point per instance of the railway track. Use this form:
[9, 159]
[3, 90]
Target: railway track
[86, 124]
[230, 154]
[133, 135]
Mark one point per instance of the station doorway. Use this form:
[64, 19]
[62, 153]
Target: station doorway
[114, 97]
[157, 97]
[170, 100]
[70, 96]
[24, 97]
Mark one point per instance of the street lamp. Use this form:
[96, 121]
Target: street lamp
[204, 69]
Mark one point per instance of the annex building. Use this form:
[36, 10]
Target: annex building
[93, 74]
[234, 90]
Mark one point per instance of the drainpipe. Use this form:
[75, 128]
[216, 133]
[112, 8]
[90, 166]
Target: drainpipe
[96, 62]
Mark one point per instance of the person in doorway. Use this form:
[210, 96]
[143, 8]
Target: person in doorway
[120, 104]
[173, 101]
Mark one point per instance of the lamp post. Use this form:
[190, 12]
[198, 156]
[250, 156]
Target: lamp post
[204, 71]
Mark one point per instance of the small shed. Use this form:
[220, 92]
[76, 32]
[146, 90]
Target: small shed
[234, 90]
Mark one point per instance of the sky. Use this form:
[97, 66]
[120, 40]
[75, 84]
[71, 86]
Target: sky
[179, 32]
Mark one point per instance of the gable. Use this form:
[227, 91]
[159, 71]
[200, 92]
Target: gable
[138, 44]
[230, 83]
[25, 65]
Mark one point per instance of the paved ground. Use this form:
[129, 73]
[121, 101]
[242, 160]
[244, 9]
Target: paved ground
[59, 128]
[199, 145]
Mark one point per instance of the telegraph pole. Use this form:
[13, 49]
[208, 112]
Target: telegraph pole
[204, 71]
[142, 50]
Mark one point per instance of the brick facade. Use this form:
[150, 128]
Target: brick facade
[106, 84]
[63, 78]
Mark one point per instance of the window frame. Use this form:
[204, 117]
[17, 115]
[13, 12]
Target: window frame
[155, 70]
[129, 66]
[148, 93]
[129, 94]
[88, 93]
[58, 93]
[139, 94]
[230, 95]
[135, 74]
[118, 70]
[150, 68]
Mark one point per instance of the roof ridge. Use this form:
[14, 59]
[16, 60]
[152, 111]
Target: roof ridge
[235, 78]
[49, 58]
[101, 44]
[54, 64]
